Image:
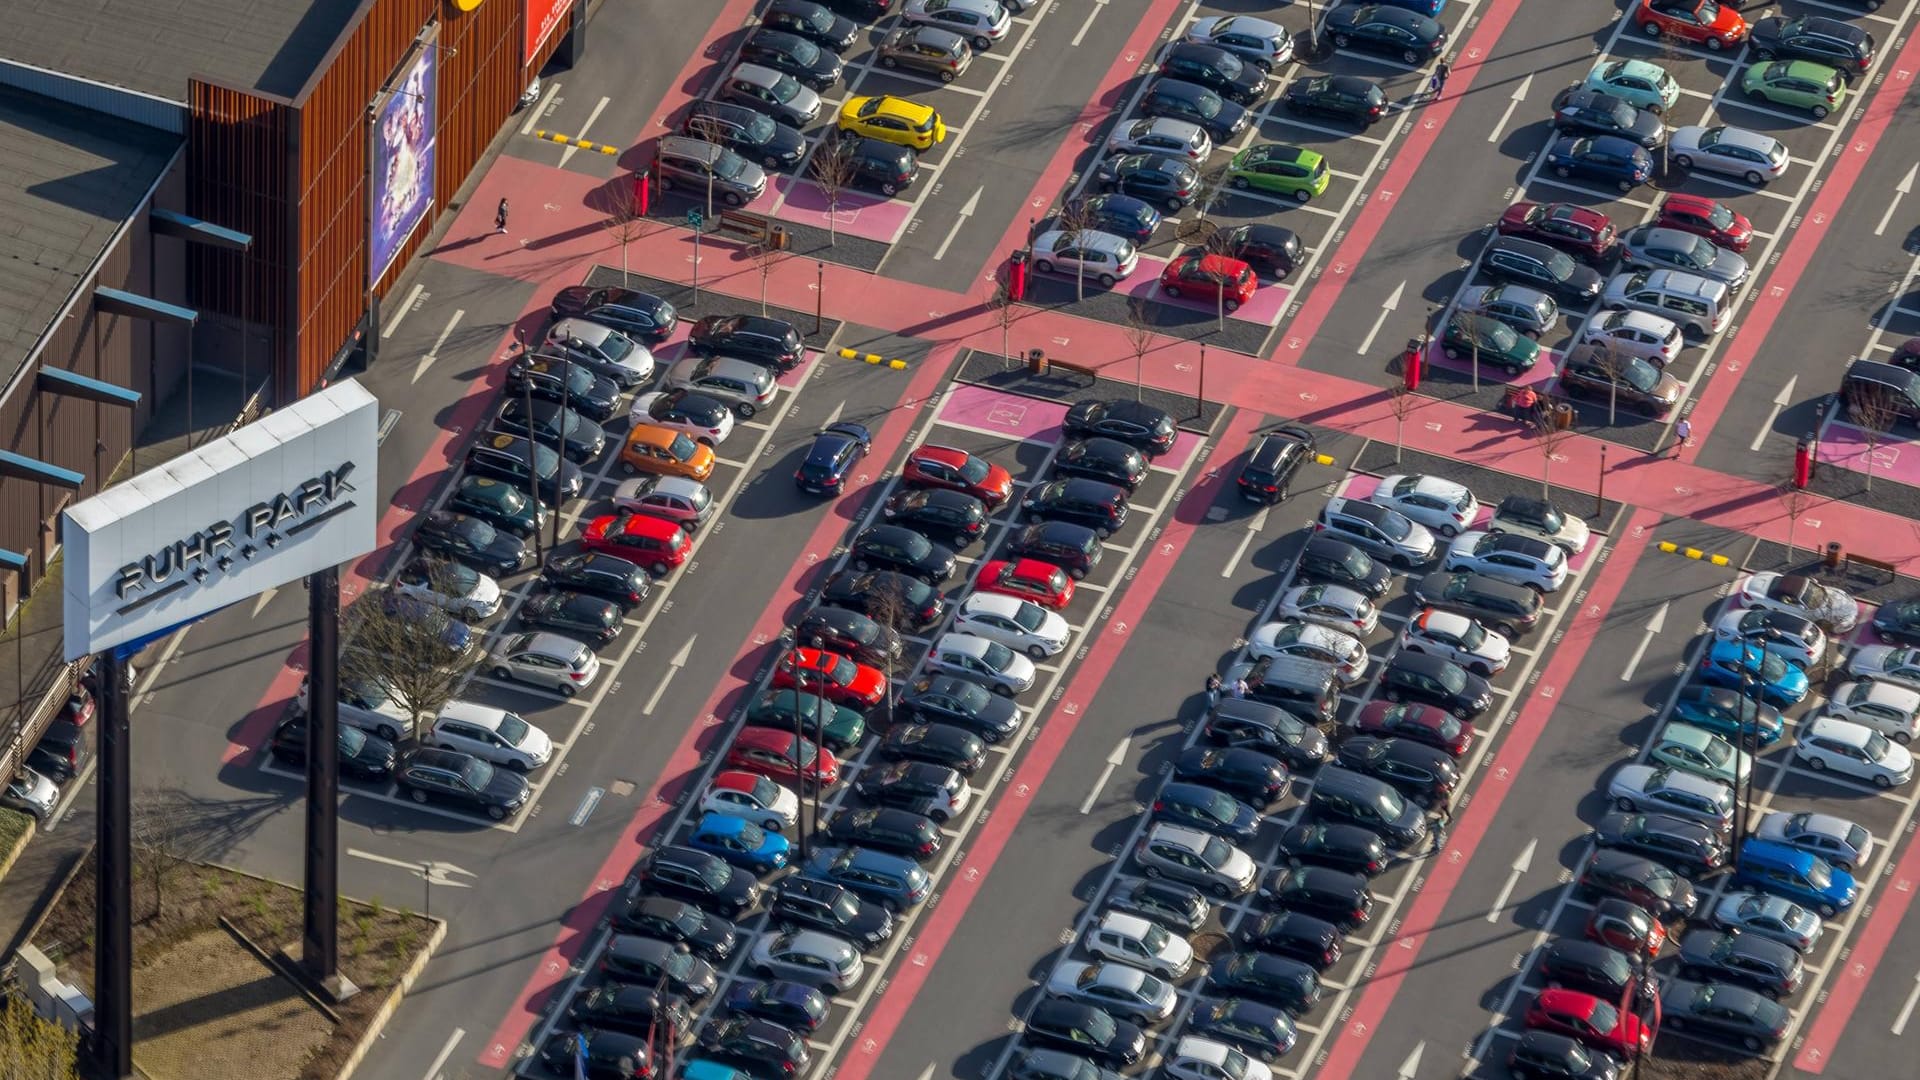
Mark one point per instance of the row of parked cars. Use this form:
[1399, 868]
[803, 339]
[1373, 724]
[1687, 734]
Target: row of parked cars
[56, 757]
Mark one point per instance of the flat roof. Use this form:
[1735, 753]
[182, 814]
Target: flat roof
[269, 46]
[72, 178]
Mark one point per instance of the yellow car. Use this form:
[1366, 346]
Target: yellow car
[894, 120]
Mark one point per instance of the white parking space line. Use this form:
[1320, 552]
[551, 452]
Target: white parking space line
[1805, 120]
[1321, 129]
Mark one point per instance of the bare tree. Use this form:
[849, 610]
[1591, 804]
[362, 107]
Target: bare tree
[889, 609]
[1466, 325]
[1795, 499]
[1006, 312]
[832, 169]
[1611, 360]
[625, 223]
[766, 258]
[1139, 335]
[1073, 220]
[1873, 409]
[1552, 436]
[1402, 401]
[160, 841]
[1211, 194]
[35, 1049]
[401, 643]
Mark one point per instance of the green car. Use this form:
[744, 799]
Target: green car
[841, 728]
[1499, 344]
[1702, 753]
[1281, 170]
[1797, 84]
[499, 504]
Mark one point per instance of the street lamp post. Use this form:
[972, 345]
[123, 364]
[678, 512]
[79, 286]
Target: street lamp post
[560, 457]
[819, 294]
[533, 482]
[799, 736]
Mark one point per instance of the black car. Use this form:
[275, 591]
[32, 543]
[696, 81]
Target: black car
[699, 877]
[848, 633]
[1182, 100]
[594, 397]
[1268, 729]
[1247, 775]
[1422, 773]
[896, 547]
[935, 744]
[1342, 96]
[1131, 422]
[887, 168]
[1687, 846]
[1769, 966]
[1216, 69]
[802, 903]
[1537, 266]
[609, 1055]
[811, 21]
[636, 1010]
[1642, 882]
[554, 425]
[861, 593]
[1107, 460]
[1406, 36]
[592, 619]
[887, 828]
[790, 1004]
[771, 342]
[1168, 903]
[860, 9]
[1331, 561]
[1338, 897]
[912, 785]
[831, 457]
[60, 752]
[1100, 507]
[1412, 676]
[1268, 249]
[1275, 980]
[362, 756]
[1261, 1030]
[1207, 808]
[1839, 45]
[461, 780]
[1728, 1012]
[1314, 942]
[1592, 968]
[1073, 548]
[1899, 621]
[951, 700]
[519, 461]
[1155, 178]
[641, 316]
[1509, 610]
[757, 1045]
[609, 577]
[1122, 215]
[1047, 1064]
[1348, 848]
[793, 55]
[1578, 110]
[953, 516]
[1544, 1055]
[644, 961]
[677, 921]
[499, 504]
[746, 131]
[1085, 1030]
[1275, 458]
[471, 542]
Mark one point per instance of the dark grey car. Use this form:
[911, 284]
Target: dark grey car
[928, 50]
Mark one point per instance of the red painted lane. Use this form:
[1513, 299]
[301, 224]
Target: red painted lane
[1366, 225]
[1363, 1017]
[963, 883]
[683, 765]
[1807, 235]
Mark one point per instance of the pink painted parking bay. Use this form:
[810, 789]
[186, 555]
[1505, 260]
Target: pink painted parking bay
[996, 412]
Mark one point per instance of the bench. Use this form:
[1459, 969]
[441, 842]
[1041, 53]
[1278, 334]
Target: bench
[1039, 363]
[1884, 566]
[754, 228]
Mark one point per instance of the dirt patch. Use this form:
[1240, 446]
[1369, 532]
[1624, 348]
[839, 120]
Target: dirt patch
[175, 912]
[1679, 1059]
[211, 1010]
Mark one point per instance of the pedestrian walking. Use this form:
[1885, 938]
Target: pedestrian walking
[1213, 691]
[1239, 688]
[1682, 431]
[1437, 830]
[1438, 81]
[500, 218]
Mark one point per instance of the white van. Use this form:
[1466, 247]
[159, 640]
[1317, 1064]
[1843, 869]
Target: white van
[490, 734]
[1700, 306]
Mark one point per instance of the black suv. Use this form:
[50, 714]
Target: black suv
[1073, 548]
[1639, 881]
[1247, 775]
[1268, 729]
[808, 904]
[1275, 458]
[887, 168]
[597, 574]
[1216, 69]
[1084, 1029]
[1338, 897]
[861, 593]
[1533, 264]
[1343, 96]
[1314, 942]
[1351, 848]
[363, 756]
[1423, 773]
[771, 342]
[748, 132]
[1839, 45]
[471, 542]
[1182, 100]
[1412, 676]
[1331, 561]
[896, 547]
[848, 633]
[793, 55]
[1276, 980]
[953, 516]
[1688, 846]
[811, 21]
[1107, 460]
[701, 878]
[710, 937]
[1510, 610]
[952, 700]
[1592, 968]
[595, 397]
[889, 829]
[1131, 422]
[1269, 249]
[555, 426]
[1100, 507]
[641, 316]
[1766, 965]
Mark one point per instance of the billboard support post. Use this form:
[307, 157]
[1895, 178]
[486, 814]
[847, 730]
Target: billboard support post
[320, 942]
[113, 885]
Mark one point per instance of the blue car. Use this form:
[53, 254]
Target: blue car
[834, 453]
[1121, 215]
[789, 1004]
[702, 1069]
[888, 880]
[1607, 158]
[1799, 876]
[1734, 663]
[1729, 714]
[740, 842]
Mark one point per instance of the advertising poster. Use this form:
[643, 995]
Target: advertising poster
[542, 17]
[402, 163]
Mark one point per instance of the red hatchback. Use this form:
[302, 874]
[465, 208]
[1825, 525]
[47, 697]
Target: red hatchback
[1597, 1023]
[1697, 22]
[832, 676]
[1214, 278]
[957, 470]
[1580, 231]
[1705, 217]
[783, 756]
[1029, 579]
[1425, 724]
[655, 543]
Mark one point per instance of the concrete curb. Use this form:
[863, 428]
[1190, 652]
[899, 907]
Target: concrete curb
[20, 845]
[378, 1021]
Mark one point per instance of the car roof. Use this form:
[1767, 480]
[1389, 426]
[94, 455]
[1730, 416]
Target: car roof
[756, 74]
[1443, 622]
[1842, 731]
[1187, 837]
[717, 824]
[1739, 136]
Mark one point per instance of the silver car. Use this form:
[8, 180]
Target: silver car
[1887, 663]
[1656, 789]
[558, 663]
[1770, 917]
[1337, 606]
[1846, 844]
[1649, 247]
[1529, 311]
[1013, 622]
[1160, 135]
[988, 663]
[1124, 991]
[743, 384]
[777, 94]
[1264, 44]
[1197, 858]
[1085, 253]
[685, 502]
[30, 793]
[810, 957]
[1635, 333]
[698, 167]
[981, 22]
[1730, 151]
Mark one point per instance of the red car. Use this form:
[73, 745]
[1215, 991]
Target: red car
[1706, 217]
[1597, 1023]
[1580, 231]
[1029, 579]
[1424, 724]
[832, 676]
[1696, 22]
[655, 543]
[783, 756]
[1214, 278]
[957, 470]
[1626, 927]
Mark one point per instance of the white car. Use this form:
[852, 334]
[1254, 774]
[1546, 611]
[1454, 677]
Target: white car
[1659, 790]
[981, 22]
[30, 793]
[1888, 708]
[1131, 939]
[1794, 638]
[989, 663]
[457, 589]
[1260, 42]
[1311, 641]
[1459, 639]
[1541, 520]
[1842, 746]
[1845, 844]
[1160, 135]
[747, 386]
[1330, 605]
[1728, 150]
[1770, 917]
[1013, 622]
[1195, 1058]
[1120, 989]
[1834, 610]
[1643, 334]
[558, 663]
[695, 415]
[1440, 504]
[810, 957]
[1510, 557]
[490, 734]
[754, 797]
[1887, 663]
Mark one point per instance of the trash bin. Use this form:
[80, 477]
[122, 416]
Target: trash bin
[778, 239]
[1834, 555]
[1036, 361]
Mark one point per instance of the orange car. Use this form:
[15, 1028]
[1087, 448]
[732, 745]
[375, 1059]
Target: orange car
[655, 449]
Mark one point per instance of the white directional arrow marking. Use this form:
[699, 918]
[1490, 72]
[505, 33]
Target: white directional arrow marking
[673, 668]
[1254, 529]
[1387, 307]
[1654, 626]
[435, 873]
[834, 416]
[1901, 189]
[1520, 866]
[1780, 401]
[434, 353]
[1906, 1011]
[260, 605]
[1410, 1068]
[1519, 95]
[1077, 39]
[1113, 762]
[966, 211]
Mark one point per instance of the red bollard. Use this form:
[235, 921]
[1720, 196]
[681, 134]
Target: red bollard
[642, 192]
[1803, 463]
[1017, 275]
[1411, 365]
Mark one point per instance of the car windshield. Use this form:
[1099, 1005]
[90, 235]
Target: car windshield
[1603, 1017]
[1699, 251]
[682, 448]
[1819, 874]
[679, 965]
[1877, 747]
[1857, 838]
[759, 130]
[513, 729]
[1389, 805]
[1216, 852]
[974, 470]
[1473, 636]
[808, 752]
[1720, 217]
[728, 166]
[477, 774]
[1207, 105]
[998, 656]
[1449, 728]
[752, 836]
[1560, 265]
[1217, 804]
[1396, 526]
[1772, 668]
[765, 791]
[546, 460]
[1453, 679]
[1708, 13]
[1711, 137]
[1639, 374]
[842, 670]
[784, 89]
[352, 741]
[804, 52]
[1029, 617]
[480, 534]
[1619, 113]
[579, 380]
[1716, 752]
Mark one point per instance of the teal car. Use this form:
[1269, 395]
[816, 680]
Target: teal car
[1280, 170]
[1702, 753]
[1638, 83]
[840, 728]
[1796, 84]
[1499, 345]
[1729, 714]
